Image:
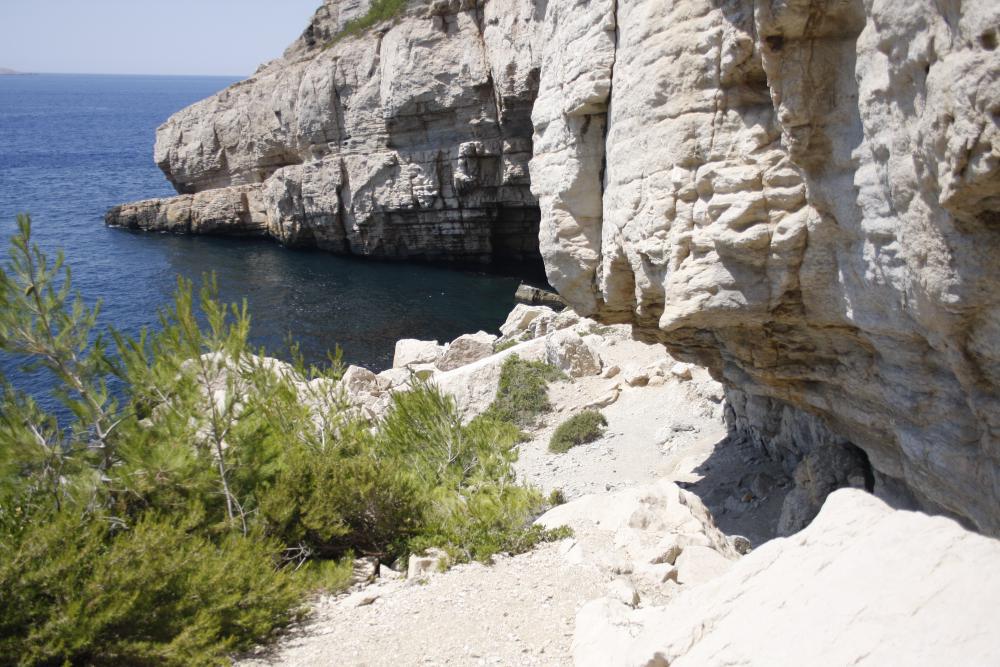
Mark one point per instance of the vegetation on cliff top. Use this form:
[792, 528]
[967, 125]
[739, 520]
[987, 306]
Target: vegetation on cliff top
[186, 514]
[380, 10]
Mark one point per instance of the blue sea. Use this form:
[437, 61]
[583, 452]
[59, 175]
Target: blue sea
[71, 146]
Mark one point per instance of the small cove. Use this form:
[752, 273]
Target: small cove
[71, 146]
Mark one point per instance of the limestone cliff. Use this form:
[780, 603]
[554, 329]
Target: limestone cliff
[801, 195]
[409, 141]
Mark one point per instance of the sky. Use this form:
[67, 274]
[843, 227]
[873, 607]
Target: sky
[224, 37]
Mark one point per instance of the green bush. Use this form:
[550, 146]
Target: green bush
[189, 516]
[522, 394]
[579, 429]
[380, 10]
[77, 591]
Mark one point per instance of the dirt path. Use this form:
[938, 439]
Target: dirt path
[521, 610]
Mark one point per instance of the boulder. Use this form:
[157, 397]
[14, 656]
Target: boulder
[365, 570]
[465, 349]
[741, 544]
[474, 386]
[610, 372]
[637, 377]
[412, 351]
[863, 584]
[538, 297]
[681, 371]
[697, 564]
[358, 380]
[393, 378]
[565, 319]
[624, 591]
[520, 319]
[605, 399]
[361, 599]
[567, 351]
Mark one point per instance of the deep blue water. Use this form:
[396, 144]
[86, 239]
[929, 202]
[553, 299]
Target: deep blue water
[71, 146]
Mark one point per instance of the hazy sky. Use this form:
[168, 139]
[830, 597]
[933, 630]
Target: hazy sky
[148, 36]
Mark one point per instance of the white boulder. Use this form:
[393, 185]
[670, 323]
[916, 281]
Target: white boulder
[432, 561]
[474, 386]
[358, 380]
[520, 319]
[412, 351]
[567, 351]
[465, 349]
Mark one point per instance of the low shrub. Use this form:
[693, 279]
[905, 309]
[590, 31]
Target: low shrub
[579, 429]
[522, 394]
[76, 591]
[187, 515]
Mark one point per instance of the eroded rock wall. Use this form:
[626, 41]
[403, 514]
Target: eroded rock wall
[410, 140]
[803, 196]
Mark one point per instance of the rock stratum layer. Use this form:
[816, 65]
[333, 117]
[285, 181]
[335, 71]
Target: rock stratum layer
[801, 195]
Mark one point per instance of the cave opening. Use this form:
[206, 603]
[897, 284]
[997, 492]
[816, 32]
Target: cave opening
[514, 244]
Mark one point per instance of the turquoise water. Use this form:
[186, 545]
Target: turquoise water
[71, 146]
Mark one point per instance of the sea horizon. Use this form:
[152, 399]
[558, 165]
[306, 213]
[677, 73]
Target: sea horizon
[17, 72]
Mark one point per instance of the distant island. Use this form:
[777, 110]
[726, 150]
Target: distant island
[5, 71]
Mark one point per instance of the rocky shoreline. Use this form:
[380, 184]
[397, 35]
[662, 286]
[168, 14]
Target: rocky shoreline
[776, 225]
[676, 553]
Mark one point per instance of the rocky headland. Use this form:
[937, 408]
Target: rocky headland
[800, 198]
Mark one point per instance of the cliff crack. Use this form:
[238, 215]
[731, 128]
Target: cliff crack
[343, 184]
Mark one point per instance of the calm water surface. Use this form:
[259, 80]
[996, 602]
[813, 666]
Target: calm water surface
[71, 146]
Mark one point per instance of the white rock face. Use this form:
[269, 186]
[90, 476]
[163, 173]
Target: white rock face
[803, 197]
[863, 584]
